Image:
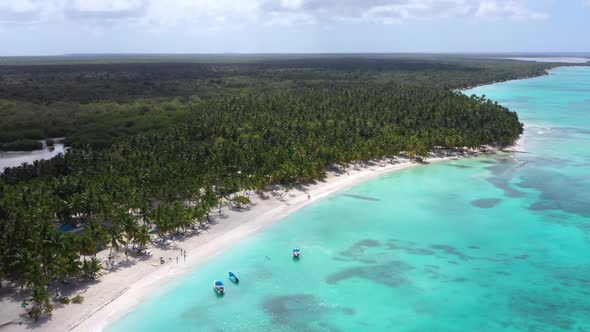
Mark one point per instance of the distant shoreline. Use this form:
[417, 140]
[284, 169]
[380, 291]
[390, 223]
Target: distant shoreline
[546, 73]
[563, 59]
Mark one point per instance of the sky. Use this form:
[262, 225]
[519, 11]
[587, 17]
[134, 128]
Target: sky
[52, 27]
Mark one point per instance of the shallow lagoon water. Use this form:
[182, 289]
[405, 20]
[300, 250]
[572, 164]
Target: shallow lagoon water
[488, 244]
[17, 158]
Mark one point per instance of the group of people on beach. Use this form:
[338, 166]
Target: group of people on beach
[182, 254]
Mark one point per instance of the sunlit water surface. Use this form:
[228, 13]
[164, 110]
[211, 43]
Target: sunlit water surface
[499, 243]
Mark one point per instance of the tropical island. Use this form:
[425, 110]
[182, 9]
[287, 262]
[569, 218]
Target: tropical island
[159, 145]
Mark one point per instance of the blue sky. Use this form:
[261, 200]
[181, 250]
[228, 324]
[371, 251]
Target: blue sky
[45, 27]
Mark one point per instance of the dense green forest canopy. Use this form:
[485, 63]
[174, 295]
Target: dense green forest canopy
[93, 101]
[92, 82]
[157, 146]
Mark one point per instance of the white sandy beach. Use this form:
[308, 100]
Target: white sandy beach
[117, 292]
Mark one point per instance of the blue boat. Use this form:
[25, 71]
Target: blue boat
[296, 253]
[233, 278]
[218, 286]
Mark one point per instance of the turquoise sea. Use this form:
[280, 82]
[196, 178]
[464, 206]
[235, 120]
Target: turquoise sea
[499, 243]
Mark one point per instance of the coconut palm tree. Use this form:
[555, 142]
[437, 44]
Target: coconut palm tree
[39, 302]
[142, 236]
[116, 239]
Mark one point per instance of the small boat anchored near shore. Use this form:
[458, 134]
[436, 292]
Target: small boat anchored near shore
[218, 286]
[296, 253]
[233, 277]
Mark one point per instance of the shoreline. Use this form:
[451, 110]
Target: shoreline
[117, 293]
[546, 72]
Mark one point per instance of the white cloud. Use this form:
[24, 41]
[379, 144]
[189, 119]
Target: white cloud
[17, 6]
[228, 13]
[292, 4]
[398, 11]
[105, 9]
[507, 9]
[106, 5]
[15, 11]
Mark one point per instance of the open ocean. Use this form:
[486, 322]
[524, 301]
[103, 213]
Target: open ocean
[498, 243]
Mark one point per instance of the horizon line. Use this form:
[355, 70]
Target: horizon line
[82, 54]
